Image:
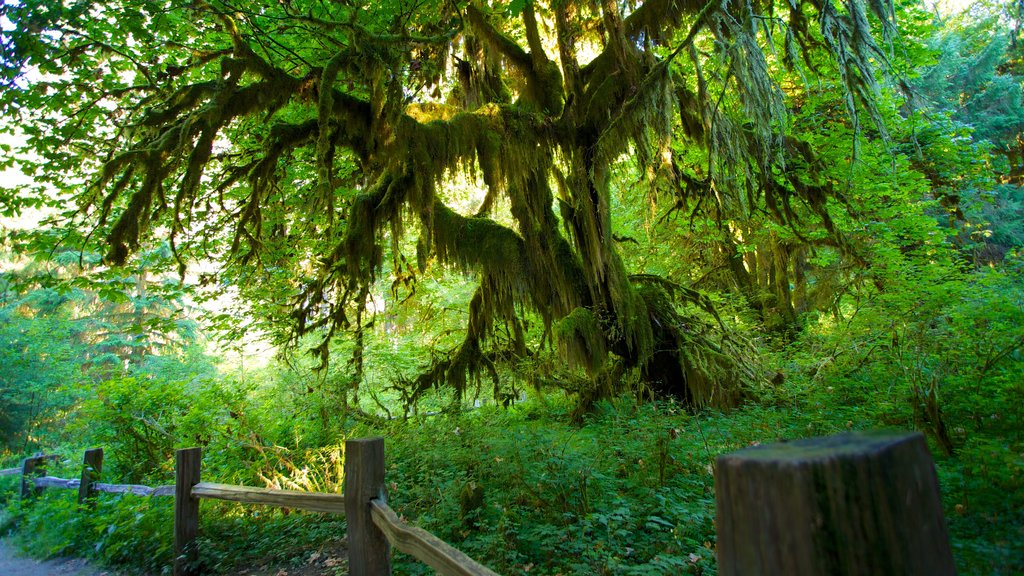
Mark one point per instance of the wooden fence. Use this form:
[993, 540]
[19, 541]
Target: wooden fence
[860, 503]
[373, 528]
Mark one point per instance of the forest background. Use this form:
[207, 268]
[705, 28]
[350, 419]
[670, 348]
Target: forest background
[560, 254]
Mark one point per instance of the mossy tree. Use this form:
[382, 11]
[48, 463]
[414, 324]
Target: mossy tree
[301, 141]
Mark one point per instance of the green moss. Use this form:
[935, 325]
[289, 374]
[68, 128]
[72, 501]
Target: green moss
[716, 367]
[581, 341]
[631, 312]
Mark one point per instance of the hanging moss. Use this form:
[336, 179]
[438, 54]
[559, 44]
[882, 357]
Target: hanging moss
[581, 341]
[188, 133]
[541, 84]
[631, 313]
[360, 250]
[483, 245]
[694, 360]
[125, 234]
[365, 103]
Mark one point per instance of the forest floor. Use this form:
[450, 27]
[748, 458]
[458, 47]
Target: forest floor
[330, 560]
[12, 564]
[327, 562]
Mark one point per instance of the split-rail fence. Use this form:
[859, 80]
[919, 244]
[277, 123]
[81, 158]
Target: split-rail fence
[373, 528]
[860, 503]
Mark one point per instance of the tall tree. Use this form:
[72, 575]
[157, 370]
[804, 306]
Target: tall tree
[304, 140]
[65, 327]
[976, 87]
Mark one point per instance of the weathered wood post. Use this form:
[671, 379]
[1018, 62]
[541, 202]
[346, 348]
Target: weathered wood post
[92, 465]
[369, 553]
[187, 470]
[859, 503]
[30, 468]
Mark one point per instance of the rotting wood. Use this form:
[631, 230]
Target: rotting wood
[10, 471]
[423, 545]
[54, 482]
[312, 501]
[860, 503]
[136, 489]
[30, 468]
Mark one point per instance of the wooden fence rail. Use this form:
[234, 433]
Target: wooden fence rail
[311, 501]
[74, 484]
[428, 548]
[372, 526]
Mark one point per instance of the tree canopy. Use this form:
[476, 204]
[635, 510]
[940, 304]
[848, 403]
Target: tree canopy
[307, 146]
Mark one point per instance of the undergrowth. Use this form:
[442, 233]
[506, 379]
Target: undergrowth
[524, 490]
[530, 488]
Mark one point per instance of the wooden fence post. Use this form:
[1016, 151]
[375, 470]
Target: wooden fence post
[30, 468]
[860, 503]
[369, 553]
[187, 470]
[92, 465]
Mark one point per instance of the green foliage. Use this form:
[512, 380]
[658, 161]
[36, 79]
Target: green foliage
[610, 496]
[976, 85]
[941, 351]
[812, 225]
[121, 530]
[245, 537]
[65, 327]
[628, 491]
[142, 419]
[970, 79]
[947, 346]
[40, 379]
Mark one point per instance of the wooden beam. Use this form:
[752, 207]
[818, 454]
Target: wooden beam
[54, 482]
[76, 484]
[73, 484]
[135, 489]
[859, 503]
[186, 511]
[369, 553]
[92, 465]
[423, 545]
[313, 501]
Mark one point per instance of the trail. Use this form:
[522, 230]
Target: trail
[11, 564]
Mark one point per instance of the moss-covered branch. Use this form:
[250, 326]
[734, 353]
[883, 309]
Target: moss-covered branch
[189, 138]
[543, 85]
[351, 135]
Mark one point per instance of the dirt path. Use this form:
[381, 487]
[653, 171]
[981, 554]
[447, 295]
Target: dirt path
[12, 564]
